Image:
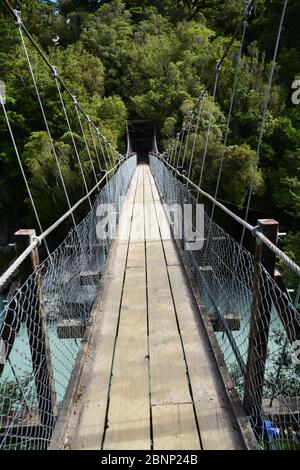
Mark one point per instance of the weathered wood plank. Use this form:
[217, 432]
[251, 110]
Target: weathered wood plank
[88, 421]
[91, 408]
[168, 372]
[151, 226]
[216, 427]
[129, 409]
[172, 255]
[180, 419]
[169, 384]
[136, 255]
[171, 252]
[137, 233]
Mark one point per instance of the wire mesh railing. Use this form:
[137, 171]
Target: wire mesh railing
[254, 319]
[42, 326]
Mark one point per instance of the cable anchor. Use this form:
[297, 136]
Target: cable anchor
[54, 72]
[37, 239]
[18, 18]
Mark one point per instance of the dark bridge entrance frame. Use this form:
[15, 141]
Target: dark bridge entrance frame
[141, 133]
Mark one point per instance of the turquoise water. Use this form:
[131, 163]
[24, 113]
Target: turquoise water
[63, 356]
[276, 347]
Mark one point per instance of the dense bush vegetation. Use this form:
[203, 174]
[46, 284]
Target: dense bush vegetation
[151, 59]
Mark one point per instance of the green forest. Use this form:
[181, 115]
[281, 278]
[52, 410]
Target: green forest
[151, 59]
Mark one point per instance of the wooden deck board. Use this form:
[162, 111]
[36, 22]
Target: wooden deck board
[129, 408]
[90, 413]
[213, 415]
[168, 371]
[174, 424]
[180, 419]
[147, 352]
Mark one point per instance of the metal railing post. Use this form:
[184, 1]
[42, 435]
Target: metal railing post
[36, 324]
[260, 321]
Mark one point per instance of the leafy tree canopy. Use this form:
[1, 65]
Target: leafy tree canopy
[151, 59]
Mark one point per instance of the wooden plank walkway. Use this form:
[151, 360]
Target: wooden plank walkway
[149, 380]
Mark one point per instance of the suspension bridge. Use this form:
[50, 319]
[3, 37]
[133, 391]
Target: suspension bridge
[135, 339]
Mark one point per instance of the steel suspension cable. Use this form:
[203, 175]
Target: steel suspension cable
[232, 100]
[253, 230]
[173, 162]
[19, 22]
[84, 138]
[70, 213]
[195, 135]
[264, 114]
[180, 146]
[102, 149]
[46, 123]
[29, 190]
[209, 122]
[21, 165]
[247, 12]
[95, 146]
[113, 153]
[109, 156]
[37, 240]
[72, 135]
[44, 234]
[191, 115]
[171, 150]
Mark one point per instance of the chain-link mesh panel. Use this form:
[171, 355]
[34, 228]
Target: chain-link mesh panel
[42, 326]
[236, 289]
